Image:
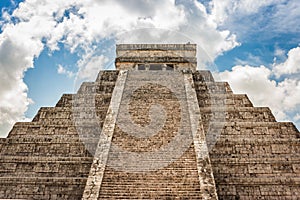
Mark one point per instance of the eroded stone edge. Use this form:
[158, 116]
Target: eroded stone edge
[206, 179]
[93, 183]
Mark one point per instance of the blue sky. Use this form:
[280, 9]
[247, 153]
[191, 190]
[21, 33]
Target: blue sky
[48, 47]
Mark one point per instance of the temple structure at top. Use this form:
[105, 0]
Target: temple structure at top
[156, 57]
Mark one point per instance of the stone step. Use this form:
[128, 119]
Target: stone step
[72, 167]
[236, 114]
[50, 129]
[212, 87]
[151, 193]
[45, 170]
[87, 87]
[33, 147]
[234, 149]
[83, 133]
[236, 125]
[65, 100]
[203, 76]
[43, 180]
[167, 194]
[152, 182]
[34, 128]
[37, 130]
[73, 100]
[248, 137]
[267, 180]
[41, 187]
[46, 140]
[272, 192]
[108, 75]
[254, 159]
[259, 169]
[96, 88]
[46, 159]
[128, 192]
[267, 131]
[45, 149]
[228, 99]
[61, 115]
[256, 141]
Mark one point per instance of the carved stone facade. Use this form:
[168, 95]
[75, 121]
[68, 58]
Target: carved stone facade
[155, 128]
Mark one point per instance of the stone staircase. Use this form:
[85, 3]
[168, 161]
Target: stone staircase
[253, 156]
[149, 158]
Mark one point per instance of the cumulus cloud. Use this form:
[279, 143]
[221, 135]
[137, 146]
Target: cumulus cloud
[281, 95]
[297, 117]
[90, 65]
[62, 70]
[222, 10]
[291, 65]
[279, 52]
[250, 60]
[15, 58]
[248, 18]
[286, 17]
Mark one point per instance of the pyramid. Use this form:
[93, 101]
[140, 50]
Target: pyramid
[154, 128]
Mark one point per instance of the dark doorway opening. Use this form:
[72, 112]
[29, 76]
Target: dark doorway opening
[141, 67]
[170, 67]
[155, 67]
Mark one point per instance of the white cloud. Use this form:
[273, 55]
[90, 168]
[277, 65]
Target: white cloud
[279, 52]
[63, 70]
[255, 82]
[15, 58]
[90, 65]
[257, 20]
[286, 17]
[222, 10]
[291, 65]
[250, 60]
[282, 96]
[297, 117]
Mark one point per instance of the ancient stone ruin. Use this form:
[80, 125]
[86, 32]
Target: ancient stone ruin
[154, 128]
